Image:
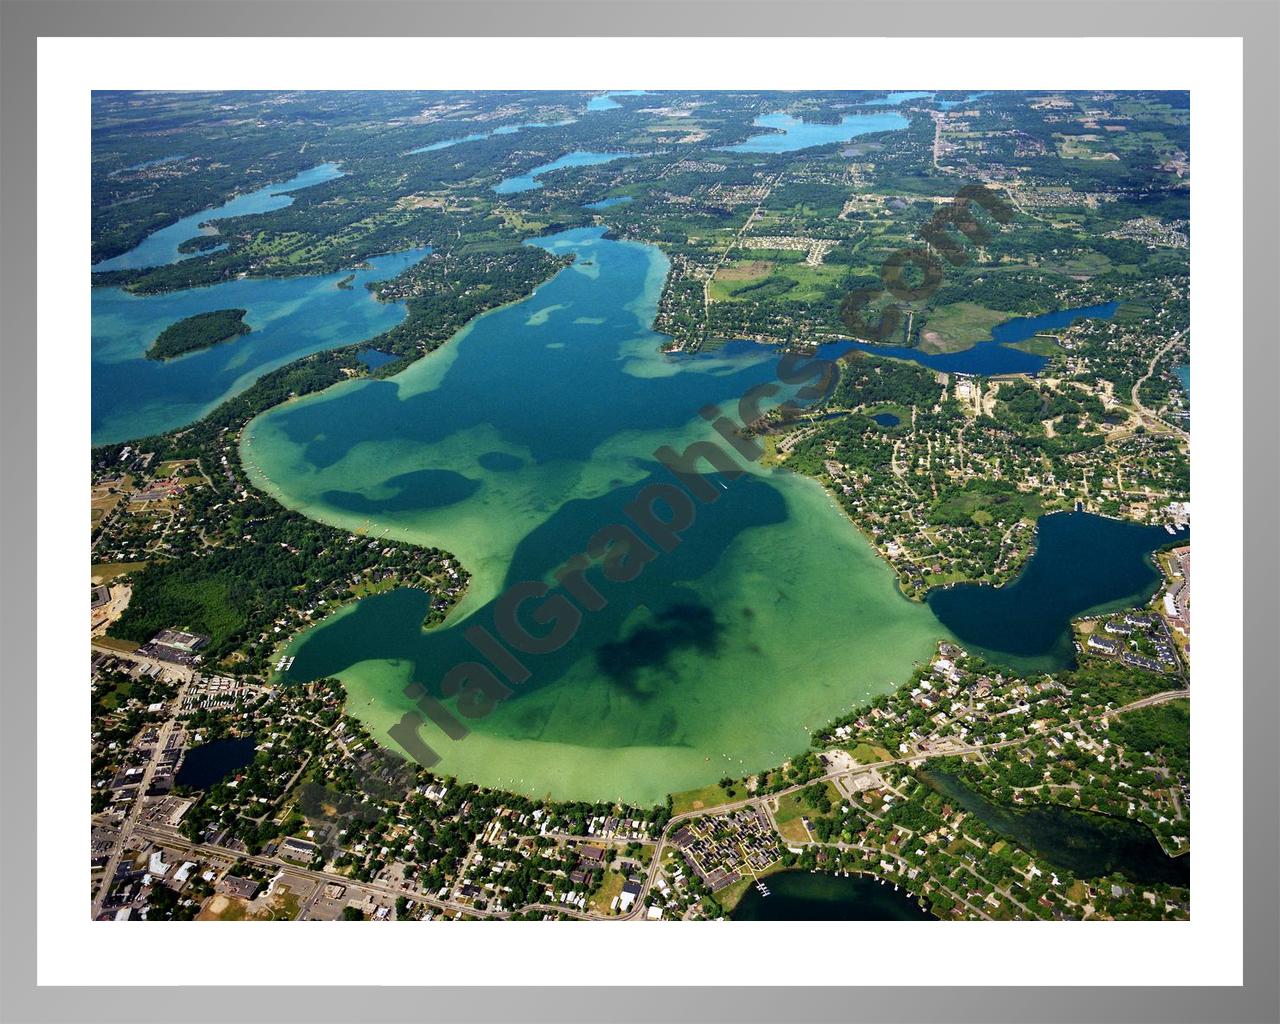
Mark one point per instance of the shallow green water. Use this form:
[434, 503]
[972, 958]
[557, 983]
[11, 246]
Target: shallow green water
[511, 447]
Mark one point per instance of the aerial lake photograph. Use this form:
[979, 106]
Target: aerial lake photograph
[640, 505]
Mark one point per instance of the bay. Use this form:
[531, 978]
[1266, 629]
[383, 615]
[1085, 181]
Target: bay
[160, 248]
[1082, 564]
[1087, 844]
[510, 446]
[134, 396]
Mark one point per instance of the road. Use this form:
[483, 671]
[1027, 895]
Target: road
[1149, 416]
[675, 820]
[706, 285]
[173, 839]
[128, 826]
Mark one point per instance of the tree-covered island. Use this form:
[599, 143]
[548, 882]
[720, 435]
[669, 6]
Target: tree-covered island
[204, 330]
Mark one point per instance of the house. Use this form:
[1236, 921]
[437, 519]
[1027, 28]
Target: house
[1102, 644]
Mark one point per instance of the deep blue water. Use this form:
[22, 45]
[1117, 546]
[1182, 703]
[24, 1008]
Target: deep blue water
[886, 419]
[578, 158]
[373, 358]
[989, 358]
[1082, 563]
[209, 764]
[604, 204]
[289, 317]
[815, 896]
[792, 133]
[161, 247]
[1183, 373]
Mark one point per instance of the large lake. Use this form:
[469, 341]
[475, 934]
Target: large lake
[134, 396]
[510, 446]
[160, 248]
[606, 101]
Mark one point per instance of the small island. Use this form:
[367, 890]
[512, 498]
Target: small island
[204, 330]
[202, 243]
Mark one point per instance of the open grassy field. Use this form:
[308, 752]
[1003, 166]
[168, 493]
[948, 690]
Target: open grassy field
[865, 753]
[610, 889]
[982, 506]
[699, 799]
[1131, 312]
[223, 908]
[792, 807]
[959, 326]
[1039, 345]
[780, 272]
[114, 644]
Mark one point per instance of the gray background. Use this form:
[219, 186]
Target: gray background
[21, 23]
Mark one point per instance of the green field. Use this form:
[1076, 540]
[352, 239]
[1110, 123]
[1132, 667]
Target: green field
[1039, 345]
[707, 796]
[981, 502]
[107, 571]
[958, 326]
[772, 274]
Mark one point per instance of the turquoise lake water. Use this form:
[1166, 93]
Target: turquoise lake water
[992, 357]
[160, 248]
[793, 133]
[529, 180]
[512, 446]
[289, 317]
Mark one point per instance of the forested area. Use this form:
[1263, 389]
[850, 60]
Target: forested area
[203, 330]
